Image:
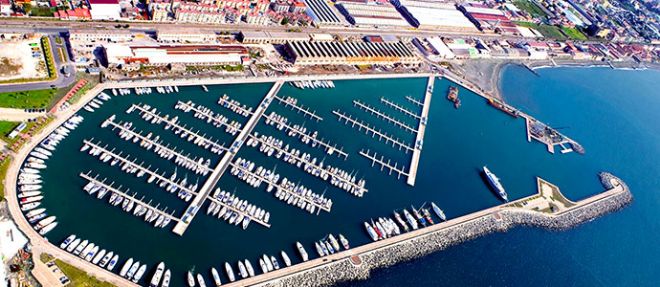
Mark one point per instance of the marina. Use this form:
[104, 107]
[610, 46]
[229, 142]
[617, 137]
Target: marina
[368, 129]
[400, 108]
[384, 116]
[293, 103]
[380, 192]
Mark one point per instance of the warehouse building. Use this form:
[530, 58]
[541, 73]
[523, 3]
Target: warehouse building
[259, 37]
[322, 14]
[371, 13]
[350, 53]
[489, 19]
[118, 54]
[186, 36]
[104, 9]
[426, 14]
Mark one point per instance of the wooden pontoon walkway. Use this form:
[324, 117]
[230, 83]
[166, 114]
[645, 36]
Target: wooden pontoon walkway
[369, 129]
[384, 116]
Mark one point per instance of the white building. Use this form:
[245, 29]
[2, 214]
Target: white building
[435, 15]
[119, 54]
[186, 36]
[104, 9]
[439, 47]
[371, 14]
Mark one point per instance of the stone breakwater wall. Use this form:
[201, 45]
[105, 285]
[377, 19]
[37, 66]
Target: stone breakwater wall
[385, 256]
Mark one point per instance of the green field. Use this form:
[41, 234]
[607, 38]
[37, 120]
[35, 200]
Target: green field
[547, 31]
[6, 127]
[78, 277]
[4, 165]
[529, 7]
[574, 33]
[27, 99]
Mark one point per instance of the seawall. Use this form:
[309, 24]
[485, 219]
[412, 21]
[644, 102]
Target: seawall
[496, 219]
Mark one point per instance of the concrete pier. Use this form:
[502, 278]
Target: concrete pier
[414, 163]
[219, 170]
[299, 108]
[330, 149]
[368, 129]
[125, 194]
[399, 108]
[399, 170]
[384, 116]
[175, 126]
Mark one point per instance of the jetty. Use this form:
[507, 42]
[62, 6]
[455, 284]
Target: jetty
[235, 106]
[383, 116]
[330, 149]
[110, 187]
[293, 104]
[368, 129]
[213, 179]
[139, 167]
[236, 210]
[399, 108]
[419, 140]
[178, 129]
[384, 165]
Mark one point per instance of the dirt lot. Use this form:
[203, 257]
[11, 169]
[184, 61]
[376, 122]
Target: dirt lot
[17, 60]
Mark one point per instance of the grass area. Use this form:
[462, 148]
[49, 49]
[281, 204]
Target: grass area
[35, 99]
[6, 127]
[58, 40]
[45, 257]
[78, 277]
[574, 33]
[547, 31]
[529, 7]
[42, 11]
[50, 61]
[91, 82]
[4, 165]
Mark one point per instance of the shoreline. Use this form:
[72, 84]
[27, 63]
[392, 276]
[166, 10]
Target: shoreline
[435, 235]
[341, 267]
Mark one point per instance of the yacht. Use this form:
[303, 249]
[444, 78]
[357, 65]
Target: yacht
[216, 277]
[495, 183]
[155, 280]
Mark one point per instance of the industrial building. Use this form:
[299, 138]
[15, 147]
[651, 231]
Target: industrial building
[427, 14]
[371, 13]
[104, 9]
[119, 54]
[350, 53]
[322, 14]
[186, 36]
[489, 19]
[259, 37]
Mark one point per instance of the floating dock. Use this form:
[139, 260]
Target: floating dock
[414, 101]
[368, 129]
[234, 106]
[160, 146]
[417, 153]
[176, 126]
[316, 166]
[125, 194]
[383, 116]
[399, 170]
[319, 207]
[213, 179]
[328, 148]
[125, 160]
[234, 209]
[190, 106]
[400, 108]
[299, 108]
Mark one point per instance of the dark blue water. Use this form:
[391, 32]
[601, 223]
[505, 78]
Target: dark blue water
[615, 115]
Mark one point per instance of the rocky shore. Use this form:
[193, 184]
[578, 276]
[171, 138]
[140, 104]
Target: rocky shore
[498, 220]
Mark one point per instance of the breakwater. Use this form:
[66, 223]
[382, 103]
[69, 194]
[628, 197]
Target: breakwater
[441, 236]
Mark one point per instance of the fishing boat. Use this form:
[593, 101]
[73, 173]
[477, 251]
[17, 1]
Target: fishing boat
[155, 280]
[302, 251]
[230, 272]
[200, 280]
[452, 96]
[216, 277]
[191, 279]
[494, 181]
[286, 259]
[166, 279]
[438, 211]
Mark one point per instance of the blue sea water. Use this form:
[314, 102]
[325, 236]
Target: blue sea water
[615, 115]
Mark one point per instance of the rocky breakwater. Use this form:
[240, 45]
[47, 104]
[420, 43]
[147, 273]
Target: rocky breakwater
[440, 236]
